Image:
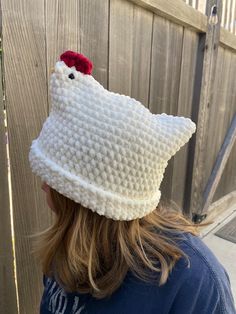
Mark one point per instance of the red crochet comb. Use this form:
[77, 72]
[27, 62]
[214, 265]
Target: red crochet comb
[81, 63]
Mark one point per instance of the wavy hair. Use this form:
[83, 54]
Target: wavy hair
[83, 250]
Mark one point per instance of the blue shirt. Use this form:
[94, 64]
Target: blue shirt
[203, 288]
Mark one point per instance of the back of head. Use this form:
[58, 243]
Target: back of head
[83, 250]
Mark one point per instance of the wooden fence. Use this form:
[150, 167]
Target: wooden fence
[228, 17]
[163, 53]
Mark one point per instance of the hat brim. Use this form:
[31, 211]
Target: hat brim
[103, 202]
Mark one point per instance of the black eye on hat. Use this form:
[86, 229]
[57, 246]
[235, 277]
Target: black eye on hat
[71, 76]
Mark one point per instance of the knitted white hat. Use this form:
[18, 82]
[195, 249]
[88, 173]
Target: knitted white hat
[101, 149]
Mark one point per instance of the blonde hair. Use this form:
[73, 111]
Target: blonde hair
[83, 250]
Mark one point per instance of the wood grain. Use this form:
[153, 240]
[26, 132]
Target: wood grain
[61, 31]
[80, 26]
[130, 50]
[120, 46]
[141, 58]
[219, 165]
[181, 171]
[177, 12]
[26, 104]
[228, 179]
[8, 302]
[221, 114]
[165, 78]
[152, 50]
[206, 101]
[227, 39]
[94, 36]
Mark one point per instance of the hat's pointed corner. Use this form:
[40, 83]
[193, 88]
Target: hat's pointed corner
[177, 130]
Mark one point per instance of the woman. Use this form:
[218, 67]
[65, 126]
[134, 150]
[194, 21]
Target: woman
[114, 247]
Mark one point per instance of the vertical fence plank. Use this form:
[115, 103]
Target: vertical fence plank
[135, 53]
[207, 80]
[26, 104]
[227, 22]
[130, 50]
[223, 14]
[62, 31]
[8, 301]
[232, 18]
[185, 96]
[86, 32]
[120, 52]
[215, 136]
[165, 78]
[94, 36]
[142, 42]
[195, 107]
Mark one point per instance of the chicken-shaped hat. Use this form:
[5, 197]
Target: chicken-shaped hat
[102, 149]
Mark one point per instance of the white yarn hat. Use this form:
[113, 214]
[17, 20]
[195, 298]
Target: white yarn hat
[101, 149]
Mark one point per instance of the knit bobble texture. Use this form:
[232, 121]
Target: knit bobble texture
[105, 150]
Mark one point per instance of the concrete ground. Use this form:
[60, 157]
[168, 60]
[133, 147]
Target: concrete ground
[224, 250]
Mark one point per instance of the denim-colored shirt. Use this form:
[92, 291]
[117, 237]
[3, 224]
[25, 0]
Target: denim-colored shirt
[202, 288]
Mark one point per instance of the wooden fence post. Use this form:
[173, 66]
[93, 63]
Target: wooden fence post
[8, 300]
[212, 37]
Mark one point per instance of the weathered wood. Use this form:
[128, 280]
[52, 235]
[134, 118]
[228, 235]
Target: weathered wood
[226, 112]
[223, 15]
[120, 48]
[176, 11]
[228, 16]
[195, 103]
[219, 206]
[142, 47]
[182, 14]
[210, 57]
[219, 166]
[228, 13]
[165, 75]
[8, 300]
[219, 210]
[232, 17]
[94, 35]
[181, 172]
[62, 32]
[215, 136]
[228, 10]
[149, 51]
[26, 104]
[227, 39]
[79, 26]
[130, 50]
[221, 113]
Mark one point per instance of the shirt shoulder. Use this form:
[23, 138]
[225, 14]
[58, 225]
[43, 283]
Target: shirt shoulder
[206, 286]
[203, 287]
